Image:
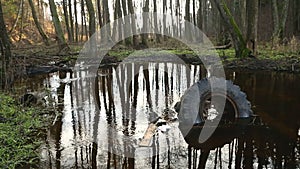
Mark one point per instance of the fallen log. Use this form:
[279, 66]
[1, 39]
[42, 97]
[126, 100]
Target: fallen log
[35, 70]
[222, 47]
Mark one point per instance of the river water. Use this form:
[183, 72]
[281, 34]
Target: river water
[103, 120]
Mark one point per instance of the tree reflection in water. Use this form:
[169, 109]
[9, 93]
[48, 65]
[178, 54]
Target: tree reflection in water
[100, 116]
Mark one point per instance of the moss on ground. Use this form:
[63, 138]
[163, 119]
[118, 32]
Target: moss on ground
[263, 53]
[21, 131]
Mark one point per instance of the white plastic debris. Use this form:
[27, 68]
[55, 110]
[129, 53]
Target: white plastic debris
[164, 128]
[212, 113]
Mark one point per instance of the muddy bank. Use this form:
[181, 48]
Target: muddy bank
[65, 63]
[40, 56]
[283, 65]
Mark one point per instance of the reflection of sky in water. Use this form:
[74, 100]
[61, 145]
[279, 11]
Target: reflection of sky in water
[83, 124]
[79, 112]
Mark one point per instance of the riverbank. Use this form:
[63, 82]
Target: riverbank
[284, 58]
[22, 131]
[267, 60]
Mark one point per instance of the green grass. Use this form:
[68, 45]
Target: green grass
[120, 54]
[265, 51]
[20, 134]
[282, 52]
[228, 53]
[182, 52]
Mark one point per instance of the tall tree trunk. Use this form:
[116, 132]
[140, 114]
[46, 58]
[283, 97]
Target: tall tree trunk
[115, 33]
[85, 27]
[63, 46]
[240, 14]
[194, 12]
[177, 14]
[5, 51]
[37, 24]
[204, 15]
[106, 17]
[119, 20]
[285, 12]
[145, 23]
[173, 26]
[38, 9]
[66, 16]
[133, 24]
[187, 18]
[99, 14]
[82, 19]
[76, 21]
[157, 36]
[21, 24]
[92, 21]
[275, 18]
[42, 13]
[297, 17]
[243, 15]
[165, 8]
[124, 7]
[71, 20]
[127, 29]
[200, 21]
[252, 20]
[279, 19]
[238, 40]
[20, 9]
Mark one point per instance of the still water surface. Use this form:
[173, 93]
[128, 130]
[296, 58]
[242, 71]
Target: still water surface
[103, 119]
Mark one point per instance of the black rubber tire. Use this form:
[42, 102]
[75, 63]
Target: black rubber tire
[194, 97]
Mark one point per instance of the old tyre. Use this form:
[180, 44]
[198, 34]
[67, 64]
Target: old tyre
[213, 100]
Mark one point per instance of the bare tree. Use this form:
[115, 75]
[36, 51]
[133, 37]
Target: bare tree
[92, 20]
[106, 16]
[194, 12]
[252, 20]
[165, 8]
[173, 26]
[37, 23]
[118, 20]
[157, 36]
[63, 46]
[279, 19]
[187, 18]
[200, 20]
[177, 14]
[5, 50]
[76, 21]
[204, 15]
[20, 9]
[240, 14]
[66, 16]
[99, 13]
[238, 40]
[83, 20]
[22, 22]
[296, 17]
[133, 24]
[127, 29]
[145, 23]
[71, 20]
